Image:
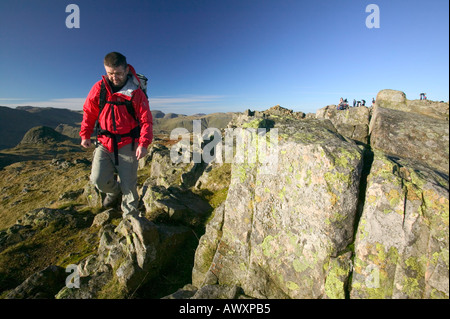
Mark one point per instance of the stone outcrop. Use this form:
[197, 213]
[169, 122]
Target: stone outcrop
[166, 193]
[402, 241]
[352, 123]
[41, 285]
[396, 100]
[281, 234]
[128, 256]
[417, 130]
[338, 219]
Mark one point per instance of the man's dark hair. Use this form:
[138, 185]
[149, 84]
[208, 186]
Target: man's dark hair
[115, 59]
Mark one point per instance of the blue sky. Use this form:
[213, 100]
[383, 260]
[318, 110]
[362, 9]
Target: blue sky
[205, 56]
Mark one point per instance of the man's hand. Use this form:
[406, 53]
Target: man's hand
[140, 152]
[86, 143]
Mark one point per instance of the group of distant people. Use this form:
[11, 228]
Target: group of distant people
[343, 103]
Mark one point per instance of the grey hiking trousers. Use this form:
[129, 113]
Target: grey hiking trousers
[102, 176]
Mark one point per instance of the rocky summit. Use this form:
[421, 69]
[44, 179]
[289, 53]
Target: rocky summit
[338, 204]
[349, 213]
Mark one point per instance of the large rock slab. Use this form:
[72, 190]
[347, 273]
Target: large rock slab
[128, 256]
[284, 233]
[352, 123]
[411, 135]
[396, 100]
[41, 285]
[401, 248]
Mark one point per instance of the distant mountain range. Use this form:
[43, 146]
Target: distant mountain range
[15, 122]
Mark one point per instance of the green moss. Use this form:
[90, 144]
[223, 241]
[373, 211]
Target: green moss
[282, 193]
[393, 197]
[335, 283]
[376, 272]
[259, 123]
[267, 246]
[57, 243]
[112, 290]
[337, 180]
[362, 232]
[300, 265]
[292, 285]
[413, 282]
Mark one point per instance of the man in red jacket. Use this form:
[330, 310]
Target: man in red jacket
[125, 131]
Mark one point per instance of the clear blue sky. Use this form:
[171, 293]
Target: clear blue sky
[218, 56]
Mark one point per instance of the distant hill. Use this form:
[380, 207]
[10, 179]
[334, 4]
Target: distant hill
[42, 135]
[14, 123]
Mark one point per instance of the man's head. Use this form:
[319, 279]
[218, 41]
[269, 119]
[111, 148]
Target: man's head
[116, 67]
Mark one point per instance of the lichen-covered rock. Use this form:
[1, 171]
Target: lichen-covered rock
[281, 229]
[392, 99]
[93, 196]
[401, 248]
[206, 250]
[175, 204]
[352, 123]
[164, 171]
[396, 100]
[411, 135]
[289, 234]
[338, 271]
[128, 256]
[41, 285]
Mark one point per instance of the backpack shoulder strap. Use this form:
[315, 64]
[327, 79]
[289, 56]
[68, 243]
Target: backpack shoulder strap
[102, 100]
[131, 110]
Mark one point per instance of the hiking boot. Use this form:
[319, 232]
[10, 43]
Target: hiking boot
[112, 201]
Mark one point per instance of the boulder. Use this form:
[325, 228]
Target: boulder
[278, 110]
[398, 131]
[93, 196]
[392, 99]
[105, 217]
[280, 233]
[206, 250]
[396, 100]
[352, 123]
[165, 172]
[128, 256]
[41, 285]
[176, 205]
[402, 241]
[322, 227]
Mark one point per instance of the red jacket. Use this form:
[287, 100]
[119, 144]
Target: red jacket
[124, 121]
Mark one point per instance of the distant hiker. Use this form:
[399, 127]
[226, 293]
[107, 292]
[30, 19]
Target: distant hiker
[354, 102]
[363, 103]
[343, 104]
[373, 101]
[423, 96]
[125, 132]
